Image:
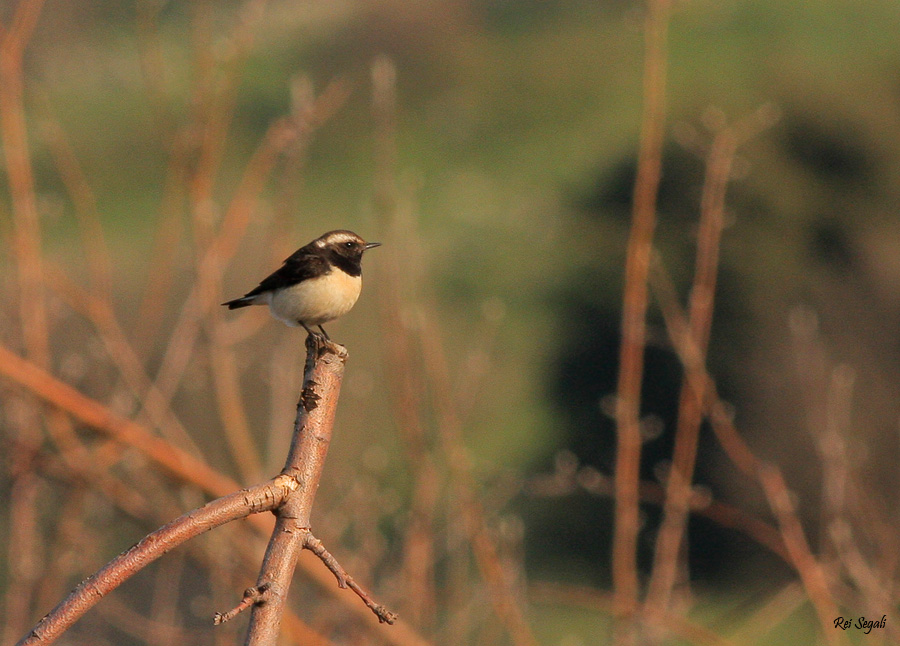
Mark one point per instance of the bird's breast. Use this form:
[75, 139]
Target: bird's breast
[316, 300]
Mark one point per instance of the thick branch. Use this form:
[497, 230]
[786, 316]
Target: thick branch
[263, 497]
[309, 446]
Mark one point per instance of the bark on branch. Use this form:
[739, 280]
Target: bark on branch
[289, 496]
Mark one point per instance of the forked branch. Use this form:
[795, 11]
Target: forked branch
[289, 495]
[264, 497]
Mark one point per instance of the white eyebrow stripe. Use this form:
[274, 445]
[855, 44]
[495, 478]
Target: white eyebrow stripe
[337, 238]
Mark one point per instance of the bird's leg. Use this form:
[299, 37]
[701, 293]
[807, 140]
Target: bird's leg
[315, 335]
[327, 338]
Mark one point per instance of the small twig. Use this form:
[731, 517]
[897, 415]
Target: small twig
[344, 580]
[252, 595]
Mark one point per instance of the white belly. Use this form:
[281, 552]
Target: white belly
[316, 300]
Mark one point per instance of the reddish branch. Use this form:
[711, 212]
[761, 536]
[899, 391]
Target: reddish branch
[769, 476]
[698, 325]
[14, 38]
[690, 407]
[92, 413]
[241, 504]
[634, 310]
[289, 496]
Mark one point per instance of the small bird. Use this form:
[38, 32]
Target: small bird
[316, 284]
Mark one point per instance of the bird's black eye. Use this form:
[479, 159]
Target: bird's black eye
[348, 245]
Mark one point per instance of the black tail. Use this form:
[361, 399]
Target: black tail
[244, 301]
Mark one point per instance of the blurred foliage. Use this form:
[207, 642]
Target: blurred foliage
[516, 132]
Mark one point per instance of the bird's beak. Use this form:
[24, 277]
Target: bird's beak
[372, 245]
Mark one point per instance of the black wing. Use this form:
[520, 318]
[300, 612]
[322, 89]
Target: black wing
[300, 265]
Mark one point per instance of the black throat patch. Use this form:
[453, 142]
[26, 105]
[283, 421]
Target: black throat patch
[351, 266]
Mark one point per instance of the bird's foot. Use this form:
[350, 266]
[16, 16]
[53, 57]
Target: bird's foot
[320, 338]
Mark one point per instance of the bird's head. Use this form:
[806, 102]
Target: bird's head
[344, 244]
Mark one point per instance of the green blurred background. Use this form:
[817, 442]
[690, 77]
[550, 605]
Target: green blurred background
[516, 131]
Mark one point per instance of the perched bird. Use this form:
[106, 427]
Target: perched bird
[316, 284]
